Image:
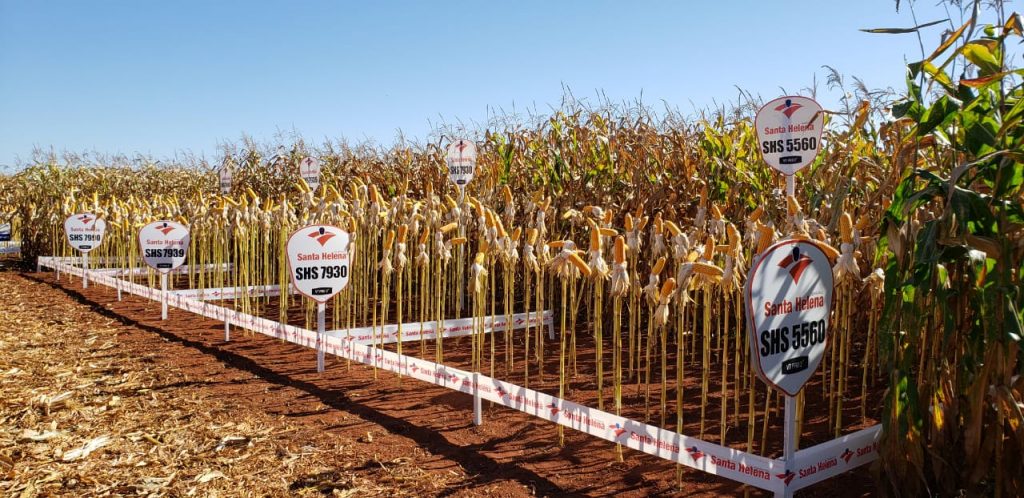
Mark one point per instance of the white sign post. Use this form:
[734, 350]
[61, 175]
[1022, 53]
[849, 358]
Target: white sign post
[84, 232]
[461, 159]
[225, 174]
[461, 163]
[318, 262]
[788, 298]
[789, 131]
[164, 247]
[309, 170]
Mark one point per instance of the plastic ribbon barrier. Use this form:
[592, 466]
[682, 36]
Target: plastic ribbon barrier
[810, 465]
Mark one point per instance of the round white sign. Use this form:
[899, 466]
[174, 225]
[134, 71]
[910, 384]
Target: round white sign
[225, 179]
[164, 245]
[318, 261]
[461, 161]
[788, 297]
[309, 170]
[789, 131]
[84, 231]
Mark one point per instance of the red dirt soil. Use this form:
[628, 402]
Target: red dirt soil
[511, 454]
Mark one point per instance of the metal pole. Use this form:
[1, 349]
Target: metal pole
[789, 445]
[790, 185]
[227, 328]
[85, 270]
[478, 412]
[321, 320]
[163, 296]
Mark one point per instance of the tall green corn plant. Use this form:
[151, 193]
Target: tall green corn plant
[953, 297]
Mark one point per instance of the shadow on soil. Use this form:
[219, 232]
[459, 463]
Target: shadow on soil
[480, 468]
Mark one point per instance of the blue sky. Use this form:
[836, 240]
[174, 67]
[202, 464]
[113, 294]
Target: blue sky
[161, 77]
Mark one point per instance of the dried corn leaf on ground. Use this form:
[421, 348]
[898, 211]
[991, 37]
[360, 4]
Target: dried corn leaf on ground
[252, 418]
[84, 411]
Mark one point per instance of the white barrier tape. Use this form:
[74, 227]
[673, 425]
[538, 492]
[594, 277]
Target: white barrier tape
[817, 463]
[10, 247]
[78, 259]
[178, 270]
[812, 465]
[457, 327]
[217, 293]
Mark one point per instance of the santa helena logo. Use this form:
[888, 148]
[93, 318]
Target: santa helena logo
[788, 108]
[695, 453]
[85, 219]
[787, 477]
[166, 229]
[554, 409]
[501, 392]
[847, 455]
[618, 430]
[796, 262]
[461, 145]
[321, 236]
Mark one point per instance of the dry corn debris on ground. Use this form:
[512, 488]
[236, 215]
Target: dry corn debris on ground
[82, 415]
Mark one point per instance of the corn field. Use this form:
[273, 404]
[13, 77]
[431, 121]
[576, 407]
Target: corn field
[638, 233]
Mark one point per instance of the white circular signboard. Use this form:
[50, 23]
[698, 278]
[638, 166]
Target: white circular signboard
[84, 231]
[225, 175]
[789, 131]
[164, 245]
[788, 298]
[318, 261]
[461, 161]
[309, 170]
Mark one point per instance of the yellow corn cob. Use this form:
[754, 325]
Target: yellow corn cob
[518, 232]
[792, 206]
[756, 215]
[643, 223]
[829, 251]
[595, 239]
[620, 250]
[531, 236]
[673, 228]
[424, 236]
[707, 269]
[846, 228]
[609, 232]
[458, 241]
[709, 249]
[734, 238]
[578, 262]
[667, 288]
[607, 217]
[628, 222]
[403, 230]
[715, 212]
[389, 240]
[658, 266]
[507, 193]
[479, 259]
[556, 244]
[449, 227]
